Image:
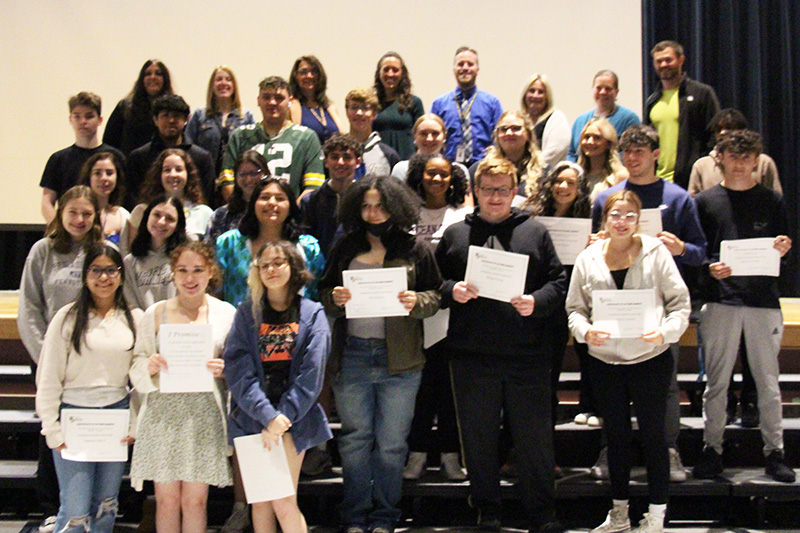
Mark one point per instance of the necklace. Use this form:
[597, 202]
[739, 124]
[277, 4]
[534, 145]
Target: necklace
[319, 114]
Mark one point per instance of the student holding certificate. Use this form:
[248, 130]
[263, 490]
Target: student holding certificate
[442, 187]
[275, 364]
[741, 211]
[84, 364]
[181, 439]
[622, 370]
[376, 363]
[499, 354]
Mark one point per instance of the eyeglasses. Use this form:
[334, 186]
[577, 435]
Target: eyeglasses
[630, 218]
[110, 272]
[252, 174]
[359, 107]
[514, 128]
[502, 192]
[275, 263]
[307, 71]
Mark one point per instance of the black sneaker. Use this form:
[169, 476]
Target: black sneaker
[550, 527]
[709, 466]
[750, 418]
[777, 468]
[489, 521]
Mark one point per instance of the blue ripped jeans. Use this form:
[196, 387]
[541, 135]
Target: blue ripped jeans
[88, 491]
[376, 409]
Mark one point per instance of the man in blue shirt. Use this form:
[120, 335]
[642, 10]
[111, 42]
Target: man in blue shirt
[470, 115]
[682, 235]
[605, 88]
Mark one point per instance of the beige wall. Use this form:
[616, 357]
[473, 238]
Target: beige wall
[51, 49]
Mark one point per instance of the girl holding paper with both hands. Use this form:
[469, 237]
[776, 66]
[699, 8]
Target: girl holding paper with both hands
[376, 363]
[275, 364]
[181, 440]
[84, 364]
[625, 370]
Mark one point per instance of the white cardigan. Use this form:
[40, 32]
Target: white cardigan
[654, 268]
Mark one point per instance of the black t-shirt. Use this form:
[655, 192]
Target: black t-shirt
[64, 167]
[276, 343]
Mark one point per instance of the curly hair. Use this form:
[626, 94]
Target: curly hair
[398, 201]
[209, 258]
[458, 179]
[153, 186]
[531, 167]
[237, 203]
[143, 242]
[403, 92]
[339, 142]
[320, 84]
[60, 237]
[249, 225]
[116, 196]
[740, 142]
[544, 203]
[85, 301]
[298, 278]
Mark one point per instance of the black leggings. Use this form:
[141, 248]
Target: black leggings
[645, 384]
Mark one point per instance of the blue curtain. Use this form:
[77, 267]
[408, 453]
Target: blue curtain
[749, 51]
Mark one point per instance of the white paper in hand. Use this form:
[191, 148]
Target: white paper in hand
[265, 473]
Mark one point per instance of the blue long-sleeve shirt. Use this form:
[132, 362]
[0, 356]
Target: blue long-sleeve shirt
[484, 114]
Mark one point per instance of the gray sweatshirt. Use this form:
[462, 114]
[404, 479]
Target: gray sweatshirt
[50, 280]
[147, 279]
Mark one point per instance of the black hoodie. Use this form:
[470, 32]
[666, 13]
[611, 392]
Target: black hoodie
[490, 326]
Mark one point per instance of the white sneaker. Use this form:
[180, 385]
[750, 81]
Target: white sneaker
[594, 421]
[649, 524]
[452, 468]
[415, 465]
[48, 525]
[616, 521]
[677, 473]
[581, 418]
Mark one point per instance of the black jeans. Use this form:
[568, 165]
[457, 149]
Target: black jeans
[485, 386]
[645, 384]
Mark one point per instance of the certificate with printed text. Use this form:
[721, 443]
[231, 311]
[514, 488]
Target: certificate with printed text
[624, 314]
[95, 435]
[374, 292]
[751, 257]
[569, 236]
[650, 222]
[496, 274]
[265, 473]
[187, 348]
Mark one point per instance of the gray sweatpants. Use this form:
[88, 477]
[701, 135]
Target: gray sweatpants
[721, 327]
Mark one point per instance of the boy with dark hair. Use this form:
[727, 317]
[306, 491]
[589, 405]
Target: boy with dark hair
[170, 114]
[63, 167]
[741, 208]
[342, 159]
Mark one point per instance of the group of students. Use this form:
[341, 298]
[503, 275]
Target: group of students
[458, 358]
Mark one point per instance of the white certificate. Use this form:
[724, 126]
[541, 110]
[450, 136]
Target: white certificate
[434, 328]
[569, 236]
[374, 292]
[496, 274]
[624, 313]
[265, 473]
[751, 257]
[650, 222]
[95, 435]
[187, 348]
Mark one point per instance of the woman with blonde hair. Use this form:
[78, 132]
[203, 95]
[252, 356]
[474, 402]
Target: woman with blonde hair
[210, 126]
[598, 154]
[515, 140]
[551, 126]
